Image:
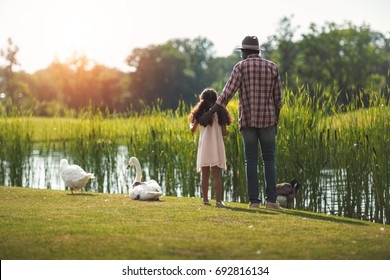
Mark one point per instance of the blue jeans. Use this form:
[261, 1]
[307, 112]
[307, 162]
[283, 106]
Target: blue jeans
[266, 137]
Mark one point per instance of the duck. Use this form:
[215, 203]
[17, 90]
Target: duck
[148, 190]
[286, 192]
[74, 176]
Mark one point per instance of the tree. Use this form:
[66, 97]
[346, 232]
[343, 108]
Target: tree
[342, 57]
[77, 84]
[15, 85]
[172, 71]
[285, 52]
[9, 82]
[220, 68]
[200, 53]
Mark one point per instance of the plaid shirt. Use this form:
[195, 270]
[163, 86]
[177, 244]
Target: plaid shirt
[259, 90]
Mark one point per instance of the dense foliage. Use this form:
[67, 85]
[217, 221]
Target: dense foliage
[351, 60]
[342, 160]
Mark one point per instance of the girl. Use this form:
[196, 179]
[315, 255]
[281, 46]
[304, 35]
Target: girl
[211, 148]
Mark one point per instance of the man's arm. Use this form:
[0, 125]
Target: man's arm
[277, 113]
[206, 117]
[228, 91]
[278, 96]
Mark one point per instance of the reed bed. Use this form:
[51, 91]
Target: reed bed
[340, 155]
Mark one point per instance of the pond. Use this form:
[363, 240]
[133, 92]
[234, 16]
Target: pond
[42, 171]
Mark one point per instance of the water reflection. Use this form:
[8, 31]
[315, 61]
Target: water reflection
[41, 171]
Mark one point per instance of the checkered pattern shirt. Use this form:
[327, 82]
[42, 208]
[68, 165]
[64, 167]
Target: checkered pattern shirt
[259, 90]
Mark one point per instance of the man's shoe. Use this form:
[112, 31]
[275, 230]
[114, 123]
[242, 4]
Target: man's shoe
[220, 204]
[273, 205]
[254, 204]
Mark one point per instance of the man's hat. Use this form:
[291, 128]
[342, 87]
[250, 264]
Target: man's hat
[250, 43]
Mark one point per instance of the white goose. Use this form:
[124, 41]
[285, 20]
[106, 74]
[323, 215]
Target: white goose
[149, 190]
[74, 176]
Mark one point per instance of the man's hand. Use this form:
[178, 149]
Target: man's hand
[205, 118]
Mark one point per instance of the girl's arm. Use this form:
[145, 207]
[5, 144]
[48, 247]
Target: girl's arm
[224, 131]
[194, 126]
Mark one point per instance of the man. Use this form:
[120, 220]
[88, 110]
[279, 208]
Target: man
[259, 89]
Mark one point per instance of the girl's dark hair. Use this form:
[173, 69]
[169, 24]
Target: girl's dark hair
[207, 100]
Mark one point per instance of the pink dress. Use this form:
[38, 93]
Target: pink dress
[211, 148]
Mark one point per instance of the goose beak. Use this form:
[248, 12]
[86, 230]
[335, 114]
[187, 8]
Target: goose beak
[128, 166]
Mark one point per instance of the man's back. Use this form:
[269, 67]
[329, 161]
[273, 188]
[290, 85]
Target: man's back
[258, 84]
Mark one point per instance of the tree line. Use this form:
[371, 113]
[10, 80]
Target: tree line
[347, 59]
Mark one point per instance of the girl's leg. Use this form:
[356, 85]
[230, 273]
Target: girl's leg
[217, 183]
[205, 183]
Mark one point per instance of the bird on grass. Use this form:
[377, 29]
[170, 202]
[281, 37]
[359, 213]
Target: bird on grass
[148, 190]
[74, 176]
[286, 192]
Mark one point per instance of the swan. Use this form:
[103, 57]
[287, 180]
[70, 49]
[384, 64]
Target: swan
[149, 190]
[74, 176]
[286, 192]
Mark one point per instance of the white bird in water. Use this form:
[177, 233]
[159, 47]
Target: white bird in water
[74, 176]
[148, 190]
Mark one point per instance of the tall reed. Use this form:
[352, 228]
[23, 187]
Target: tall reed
[340, 155]
[16, 136]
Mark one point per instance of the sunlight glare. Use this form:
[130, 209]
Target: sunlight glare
[77, 28]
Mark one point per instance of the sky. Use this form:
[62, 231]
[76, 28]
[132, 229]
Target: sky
[106, 31]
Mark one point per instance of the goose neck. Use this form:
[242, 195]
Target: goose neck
[138, 176]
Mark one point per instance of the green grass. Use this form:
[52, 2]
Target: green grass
[47, 224]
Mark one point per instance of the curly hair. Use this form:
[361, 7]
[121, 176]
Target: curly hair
[208, 98]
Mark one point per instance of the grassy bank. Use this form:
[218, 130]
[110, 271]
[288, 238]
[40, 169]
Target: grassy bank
[47, 224]
[339, 154]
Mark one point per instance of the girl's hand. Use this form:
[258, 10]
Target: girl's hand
[224, 130]
[194, 126]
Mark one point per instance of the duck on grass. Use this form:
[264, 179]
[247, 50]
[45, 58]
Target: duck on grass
[74, 176]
